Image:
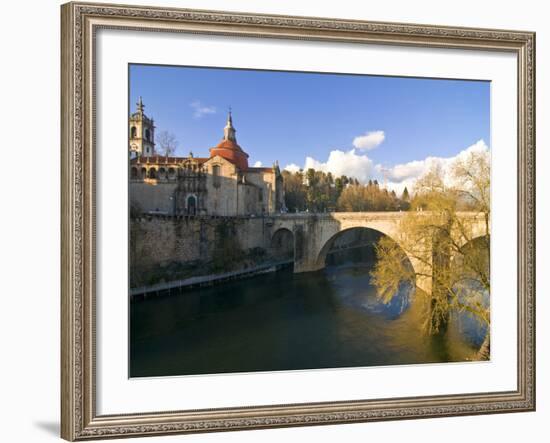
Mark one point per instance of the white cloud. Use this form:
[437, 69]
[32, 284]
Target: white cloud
[405, 171]
[406, 174]
[258, 164]
[201, 110]
[348, 163]
[370, 140]
[399, 187]
[355, 164]
[293, 167]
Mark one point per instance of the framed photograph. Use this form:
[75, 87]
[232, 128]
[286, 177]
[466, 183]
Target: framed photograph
[283, 221]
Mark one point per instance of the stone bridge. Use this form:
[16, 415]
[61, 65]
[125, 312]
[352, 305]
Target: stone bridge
[314, 234]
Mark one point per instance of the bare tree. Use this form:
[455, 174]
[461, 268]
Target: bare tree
[167, 143]
[457, 255]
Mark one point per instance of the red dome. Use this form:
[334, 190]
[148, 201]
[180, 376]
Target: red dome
[232, 152]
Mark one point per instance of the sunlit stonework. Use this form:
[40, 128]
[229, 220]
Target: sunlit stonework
[221, 184]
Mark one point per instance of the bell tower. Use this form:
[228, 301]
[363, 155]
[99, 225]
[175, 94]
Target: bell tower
[142, 133]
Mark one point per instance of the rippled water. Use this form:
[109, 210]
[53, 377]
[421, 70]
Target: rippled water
[286, 321]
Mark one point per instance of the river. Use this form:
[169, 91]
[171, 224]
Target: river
[286, 321]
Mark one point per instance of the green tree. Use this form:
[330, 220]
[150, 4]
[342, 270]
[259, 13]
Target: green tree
[311, 177]
[339, 184]
[318, 191]
[405, 196]
[295, 191]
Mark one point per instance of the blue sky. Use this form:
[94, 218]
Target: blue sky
[290, 116]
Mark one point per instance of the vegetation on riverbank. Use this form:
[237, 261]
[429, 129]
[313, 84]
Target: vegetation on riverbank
[178, 270]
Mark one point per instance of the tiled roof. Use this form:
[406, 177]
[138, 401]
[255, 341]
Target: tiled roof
[232, 152]
[162, 160]
[201, 160]
[229, 144]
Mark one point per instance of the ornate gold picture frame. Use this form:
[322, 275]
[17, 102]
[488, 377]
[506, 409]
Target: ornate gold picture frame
[80, 23]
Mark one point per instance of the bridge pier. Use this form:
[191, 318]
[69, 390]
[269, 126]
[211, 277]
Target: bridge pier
[306, 249]
[307, 266]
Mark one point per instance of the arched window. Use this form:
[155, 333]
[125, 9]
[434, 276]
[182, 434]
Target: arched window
[216, 175]
[171, 173]
[143, 172]
[162, 173]
[191, 205]
[152, 173]
[134, 173]
[147, 135]
[133, 132]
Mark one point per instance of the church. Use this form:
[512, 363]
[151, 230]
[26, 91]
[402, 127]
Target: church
[222, 184]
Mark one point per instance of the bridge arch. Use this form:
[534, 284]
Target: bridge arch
[312, 232]
[351, 238]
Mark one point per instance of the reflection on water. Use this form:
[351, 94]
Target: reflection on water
[466, 323]
[354, 290]
[286, 321]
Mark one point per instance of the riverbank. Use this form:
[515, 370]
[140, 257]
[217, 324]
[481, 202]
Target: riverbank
[166, 288]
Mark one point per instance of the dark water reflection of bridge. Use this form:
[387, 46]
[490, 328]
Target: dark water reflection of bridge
[286, 321]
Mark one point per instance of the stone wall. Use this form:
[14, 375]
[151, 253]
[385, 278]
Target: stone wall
[271, 187]
[221, 188]
[152, 195]
[217, 186]
[193, 245]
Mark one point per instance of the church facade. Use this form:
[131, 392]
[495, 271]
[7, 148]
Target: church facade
[221, 184]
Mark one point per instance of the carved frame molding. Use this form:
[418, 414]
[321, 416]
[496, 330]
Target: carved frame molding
[80, 21]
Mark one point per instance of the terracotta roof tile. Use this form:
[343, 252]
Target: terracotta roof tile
[229, 144]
